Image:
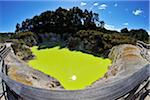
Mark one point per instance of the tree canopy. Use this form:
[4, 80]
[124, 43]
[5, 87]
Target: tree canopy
[60, 21]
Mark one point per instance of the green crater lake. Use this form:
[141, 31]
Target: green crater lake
[74, 69]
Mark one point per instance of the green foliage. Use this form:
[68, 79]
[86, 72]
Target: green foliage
[24, 34]
[60, 21]
[4, 37]
[99, 42]
[17, 27]
[21, 50]
[28, 37]
[125, 30]
[139, 34]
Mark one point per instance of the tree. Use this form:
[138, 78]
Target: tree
[124, 30]
[23, 26]
[102, 24]
[95, 17]
[17, 27]
[139, 34]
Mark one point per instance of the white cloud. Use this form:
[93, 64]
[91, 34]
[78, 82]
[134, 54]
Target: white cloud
[103, 6]
[137, 12]
[95, 4]
[111, 27]
[115, 4]
[126, 24]
[83, 3]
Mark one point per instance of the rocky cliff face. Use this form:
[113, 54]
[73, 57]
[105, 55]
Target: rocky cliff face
[19, 71]
[126, 59]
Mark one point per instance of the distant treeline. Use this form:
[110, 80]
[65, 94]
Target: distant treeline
[75, 29]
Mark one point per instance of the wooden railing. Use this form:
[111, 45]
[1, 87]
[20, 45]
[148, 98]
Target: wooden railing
[124, 86]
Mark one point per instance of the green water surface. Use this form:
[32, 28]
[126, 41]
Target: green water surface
[74, 69]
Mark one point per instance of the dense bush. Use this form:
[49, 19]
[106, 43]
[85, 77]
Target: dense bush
[139, 34]
[21, 49]
[29, 38]
[98, 43]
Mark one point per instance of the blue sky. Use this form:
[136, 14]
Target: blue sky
[117, 14]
